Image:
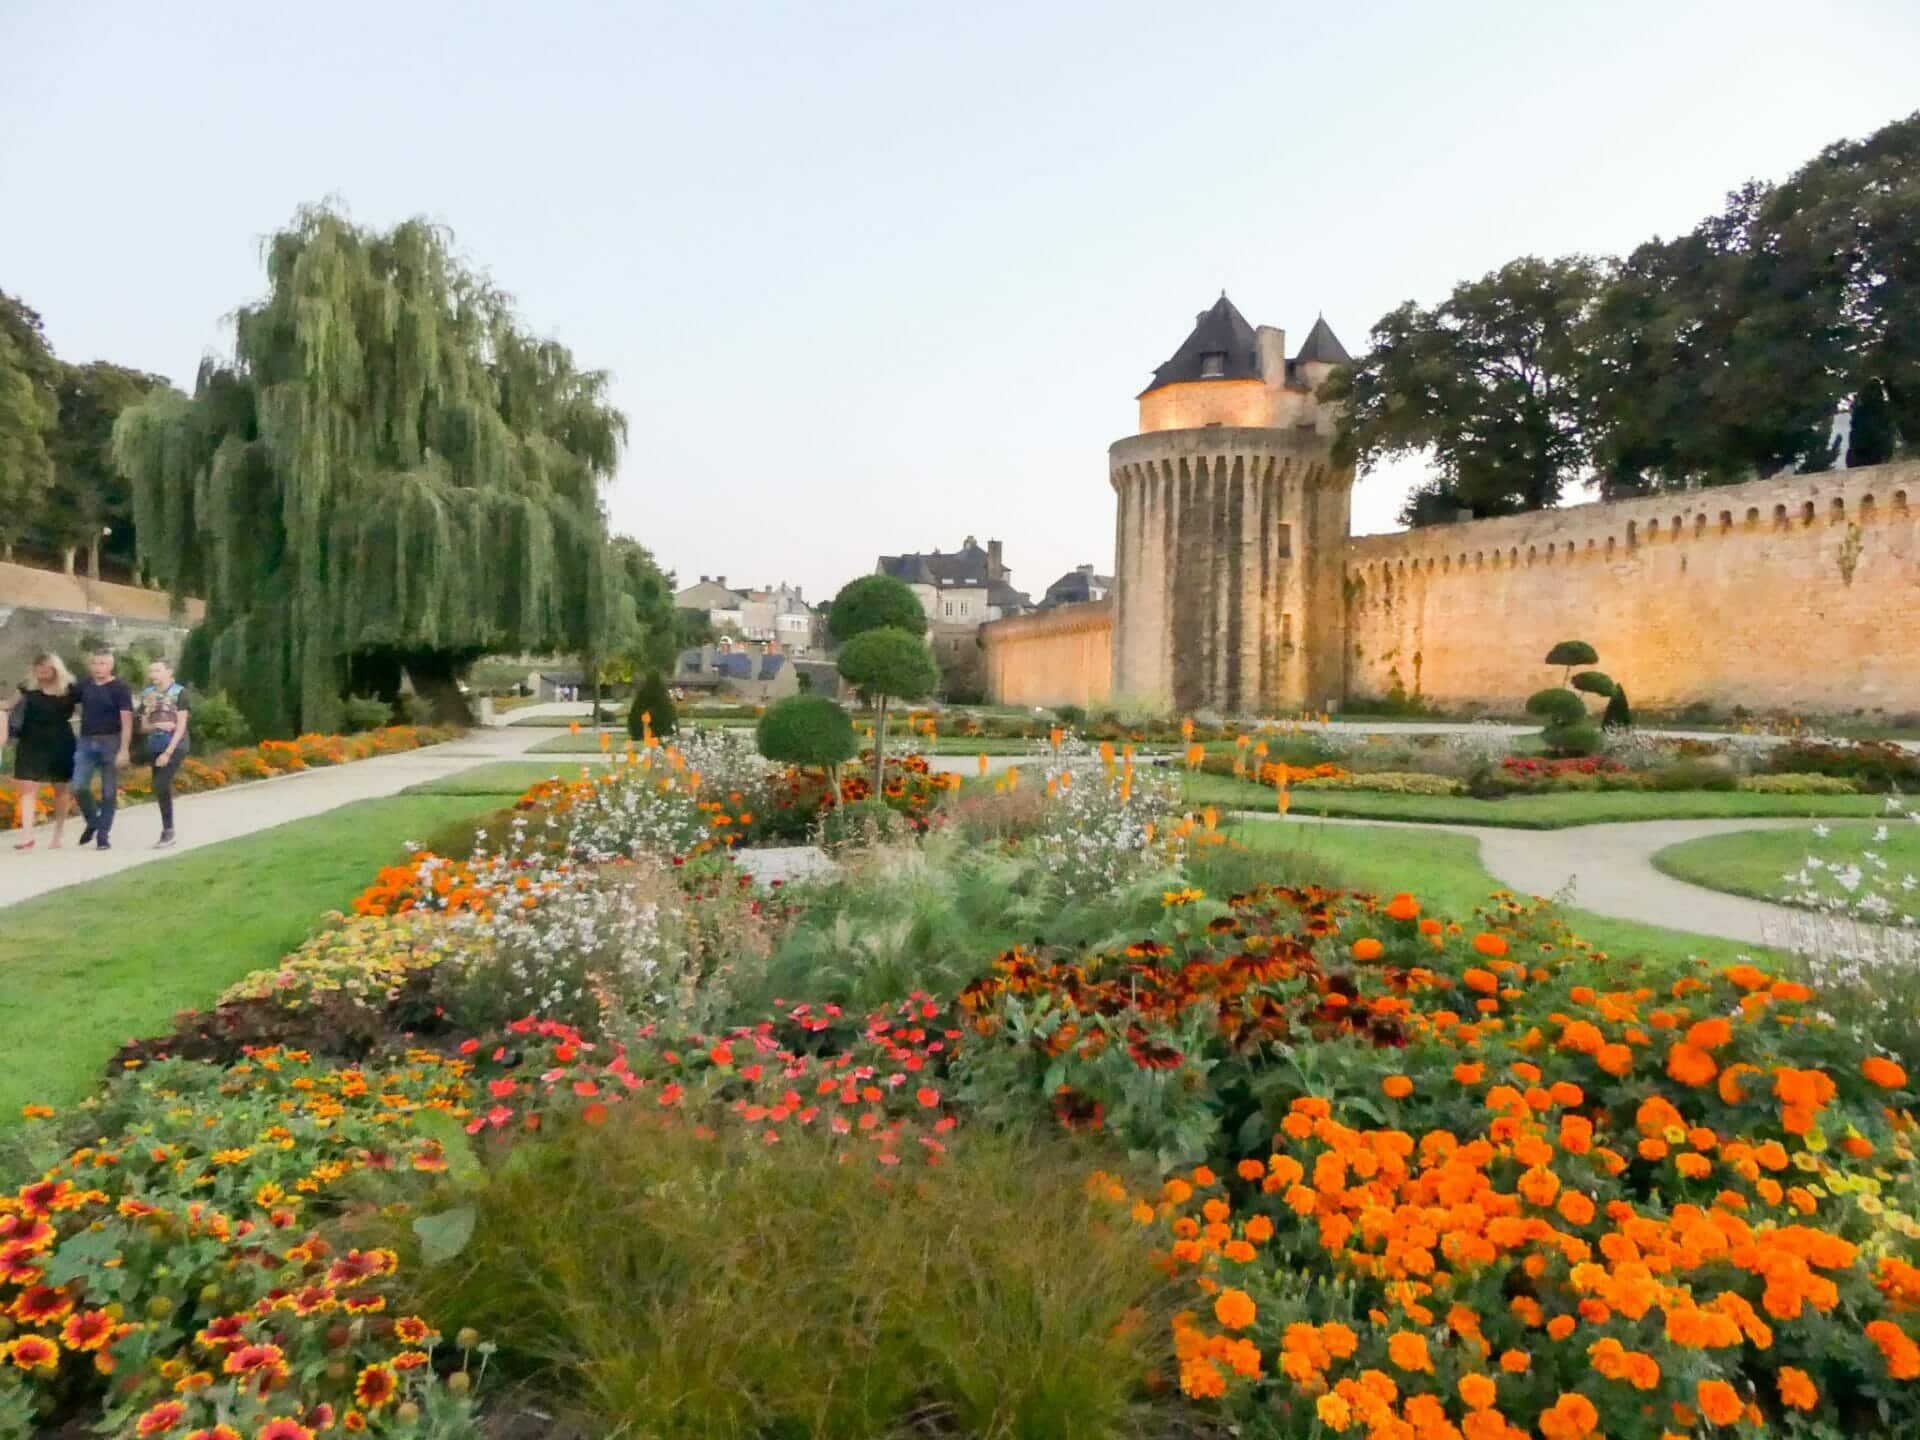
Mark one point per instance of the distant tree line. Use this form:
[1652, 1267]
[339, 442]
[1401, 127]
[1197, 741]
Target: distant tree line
[1717, 356]
[60, 493]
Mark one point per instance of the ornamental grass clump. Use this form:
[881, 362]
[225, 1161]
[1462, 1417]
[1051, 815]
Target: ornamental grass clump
[721, 1287]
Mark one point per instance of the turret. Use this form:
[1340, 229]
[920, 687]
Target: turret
[1231, 525]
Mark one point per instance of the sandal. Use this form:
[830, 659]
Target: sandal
[23, 844]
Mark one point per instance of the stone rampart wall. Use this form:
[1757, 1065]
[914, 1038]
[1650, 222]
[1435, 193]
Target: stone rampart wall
[1796, 592]
[1062, 656]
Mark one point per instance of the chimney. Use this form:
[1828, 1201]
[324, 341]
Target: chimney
[1200, 318]
[720, 580]
[1084, 569]
[996, 570]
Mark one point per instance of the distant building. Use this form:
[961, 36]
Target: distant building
[741, 672]
[724, 608]
[1076, 587]
[964, 587]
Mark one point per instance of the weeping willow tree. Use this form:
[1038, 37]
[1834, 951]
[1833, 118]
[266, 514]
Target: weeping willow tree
[389, 477]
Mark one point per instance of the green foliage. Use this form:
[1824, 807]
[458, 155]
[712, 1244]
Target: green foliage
[1487, 381]
[391, 475]
[1557, 704]
[217, 723]
[806, 730]
[1618, 716]
[361, 712]
[888, 662]
[1593, 682]
[1572, 652]
[90, 496]
[28, 410]
[874, 602]
[651, 699]
[726, 1289]
[1693, 774]
[1798, 785]
[1578, 737]
[1871, 436]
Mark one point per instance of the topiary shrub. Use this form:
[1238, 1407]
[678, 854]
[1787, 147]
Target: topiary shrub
[357, 713]
[1618, 716]
[1569, 729]
[652, 705]
[1578, 737]
[1557, 706]
[887, 664]
[808, 730]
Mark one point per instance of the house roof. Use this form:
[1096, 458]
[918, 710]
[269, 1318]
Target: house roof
[965, 566]
[1323, 346]
[1075, 586]
[1007, 598]
[1221, 331]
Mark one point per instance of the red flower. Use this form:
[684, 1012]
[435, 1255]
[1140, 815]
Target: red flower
[161, 1418]
[376, 1386]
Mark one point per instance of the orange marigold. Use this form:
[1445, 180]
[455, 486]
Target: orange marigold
[1691, 1065]
[1367, 948]
[1885, 1073]
[1571, 1417]
[1797, 1388]
[1486, 943]
[1719, 1401]
[1479, 1391]
[1403, 907]
[1408, 1351]
[1397, 1087]
[1235, 1309]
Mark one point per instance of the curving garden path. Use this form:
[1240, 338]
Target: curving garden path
[1609, 870]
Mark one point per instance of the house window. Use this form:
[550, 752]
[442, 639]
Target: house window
[1213, 365]
[949, 609]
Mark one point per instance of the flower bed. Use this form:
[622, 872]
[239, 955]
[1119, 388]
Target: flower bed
[1406, 1176]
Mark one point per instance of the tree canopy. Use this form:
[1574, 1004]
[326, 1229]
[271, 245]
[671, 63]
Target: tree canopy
[874, 602]
[1718, 355]
[390, 474]
[1487, 381]
[29, 406]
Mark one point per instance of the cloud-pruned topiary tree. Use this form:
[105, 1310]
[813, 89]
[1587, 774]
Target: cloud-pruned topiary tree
[1568, 729]
[887, 664]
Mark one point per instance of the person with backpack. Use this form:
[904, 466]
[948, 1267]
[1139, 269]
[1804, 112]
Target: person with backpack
[106, 742]
[163, 721]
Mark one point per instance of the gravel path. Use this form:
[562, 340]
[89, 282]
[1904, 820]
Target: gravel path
[216, 815]
[1609, 870]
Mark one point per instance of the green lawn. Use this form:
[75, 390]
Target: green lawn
[511, 778]
[1529, 812]
[96, 964]
[1755, 862]
[1444, 872]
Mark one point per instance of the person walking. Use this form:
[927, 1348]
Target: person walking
[41, 723]
[163, 720]
[106, 738]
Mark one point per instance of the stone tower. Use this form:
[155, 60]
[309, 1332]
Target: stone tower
[1231, 527]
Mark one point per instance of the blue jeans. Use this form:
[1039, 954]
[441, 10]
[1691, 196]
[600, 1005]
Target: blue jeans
[101, 753]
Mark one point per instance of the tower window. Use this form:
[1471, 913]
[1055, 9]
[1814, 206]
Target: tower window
[1213, 365]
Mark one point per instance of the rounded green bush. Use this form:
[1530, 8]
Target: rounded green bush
[1593, 682]
[806, 730]
[1578, 737]
[874, 602]
[1557, 705]
[890, 662]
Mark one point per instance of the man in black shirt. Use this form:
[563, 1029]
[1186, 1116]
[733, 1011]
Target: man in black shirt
[106, 737]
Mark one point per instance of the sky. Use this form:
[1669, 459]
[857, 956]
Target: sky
[873, 277]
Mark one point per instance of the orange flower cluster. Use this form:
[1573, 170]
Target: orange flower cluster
[1635, 1196]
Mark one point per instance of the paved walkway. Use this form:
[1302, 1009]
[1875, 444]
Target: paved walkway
[1609, 870]
[216, 815]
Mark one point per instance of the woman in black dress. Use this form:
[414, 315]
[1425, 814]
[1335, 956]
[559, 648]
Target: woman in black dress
[42, 729]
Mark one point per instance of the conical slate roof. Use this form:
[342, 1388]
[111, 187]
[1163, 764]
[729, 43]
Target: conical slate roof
[1221, 331]
[1323, 345]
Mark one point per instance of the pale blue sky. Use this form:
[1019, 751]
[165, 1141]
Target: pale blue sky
[871, 277]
